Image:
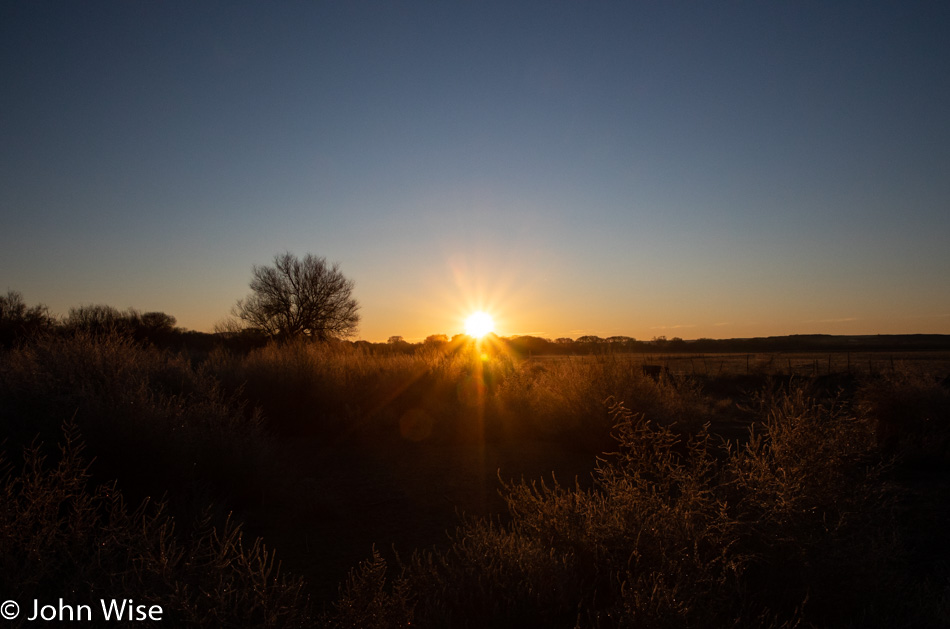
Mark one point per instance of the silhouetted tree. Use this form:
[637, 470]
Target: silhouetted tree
[158, 322]
[590, 339]
[17, 319]
[397, 343]
[100, 319]
[300, 297]
[437, 339]
[154, 327]
[528, 345]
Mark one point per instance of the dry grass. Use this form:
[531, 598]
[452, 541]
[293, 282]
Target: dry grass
[815, 515]
[62, 537]
[148, 417]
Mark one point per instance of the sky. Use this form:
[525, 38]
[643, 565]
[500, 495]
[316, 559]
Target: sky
[678, 169]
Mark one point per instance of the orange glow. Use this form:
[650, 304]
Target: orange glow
[478, 324]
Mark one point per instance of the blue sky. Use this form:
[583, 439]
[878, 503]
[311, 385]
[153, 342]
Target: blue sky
[679, 169]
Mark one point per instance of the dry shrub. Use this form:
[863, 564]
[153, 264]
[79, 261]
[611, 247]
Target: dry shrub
[328, 390]
[368, 601]
[793, 527]
[815, 514]
[60, 537]
[148, 417]
[911, 414]
[565, 397]
[647, 545]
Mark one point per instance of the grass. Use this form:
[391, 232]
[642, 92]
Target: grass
[727, 499]
[61, 536]
[150, 418]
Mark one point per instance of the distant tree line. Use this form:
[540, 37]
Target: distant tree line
[18, 320]
[309, 298]
[21, 322]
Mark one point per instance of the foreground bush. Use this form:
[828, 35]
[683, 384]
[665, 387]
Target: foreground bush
[792, 528]
[61, 537]
[911, 414]
[149, 418]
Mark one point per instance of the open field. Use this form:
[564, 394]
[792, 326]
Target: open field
[735, 493]
[808, 364]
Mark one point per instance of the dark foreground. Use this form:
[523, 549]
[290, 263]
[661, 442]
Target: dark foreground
[727, 497]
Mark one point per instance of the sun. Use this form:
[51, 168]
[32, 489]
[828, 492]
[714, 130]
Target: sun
[479, 324]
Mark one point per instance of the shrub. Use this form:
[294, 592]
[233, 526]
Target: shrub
[148, 417]
[814, 514]
[565, 398]
[330, 390]
[792, 527]
[911, 416]
[646, 545]
[368, 601]
[62, 538]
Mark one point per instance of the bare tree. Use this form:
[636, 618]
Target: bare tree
[99, 319]
[17, 319]
[297, 297]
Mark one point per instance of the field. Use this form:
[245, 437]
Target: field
[470, 488]
[807, 364]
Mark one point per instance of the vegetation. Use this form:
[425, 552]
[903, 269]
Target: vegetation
[19, 320]
[63, 537]
[300, 297]
[744, 499]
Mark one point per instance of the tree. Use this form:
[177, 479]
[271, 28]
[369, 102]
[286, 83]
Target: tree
[297, 297]
[17, 319]
[158, 323]
[437, 340]
[99, 319]
[590, 338]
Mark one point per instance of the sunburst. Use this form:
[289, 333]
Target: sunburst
[478, 324]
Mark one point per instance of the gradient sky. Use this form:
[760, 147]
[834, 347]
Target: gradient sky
[638, 168]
